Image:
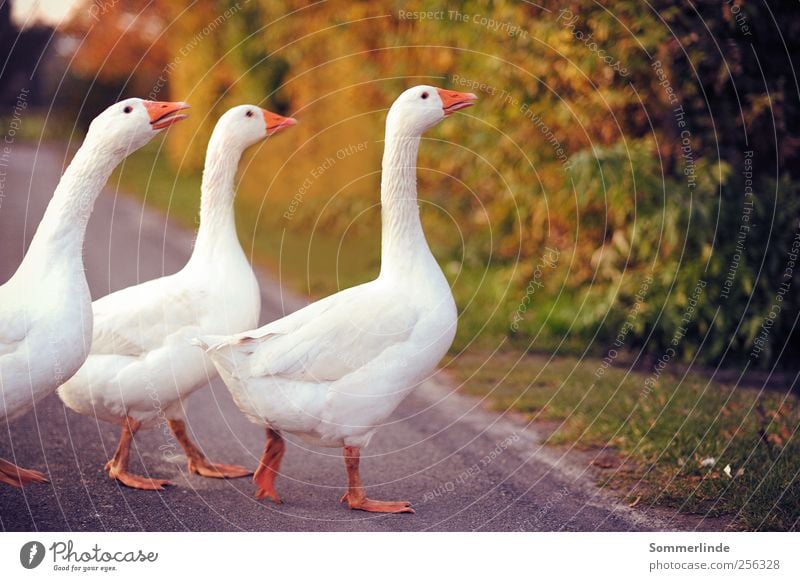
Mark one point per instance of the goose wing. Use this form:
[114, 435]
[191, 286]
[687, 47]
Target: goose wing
[325, 341]
[135, 320]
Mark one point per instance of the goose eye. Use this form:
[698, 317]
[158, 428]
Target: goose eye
[128, 109]
[425, 95]
[249, 113]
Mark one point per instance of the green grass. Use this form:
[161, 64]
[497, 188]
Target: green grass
[659, 437]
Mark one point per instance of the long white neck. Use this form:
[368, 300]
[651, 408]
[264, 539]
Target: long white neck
[402, 238]
[63, 227]
[217, 232]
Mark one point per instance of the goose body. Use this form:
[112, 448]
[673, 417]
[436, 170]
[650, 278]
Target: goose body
[142, 364]
[45, 308]
[44, 339]
[333, 372]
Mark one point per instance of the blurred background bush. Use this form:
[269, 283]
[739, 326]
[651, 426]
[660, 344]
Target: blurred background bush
[571, 152]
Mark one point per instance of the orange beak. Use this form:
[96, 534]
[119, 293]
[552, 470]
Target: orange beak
[277, 122]
[162, 113]
[452, 101]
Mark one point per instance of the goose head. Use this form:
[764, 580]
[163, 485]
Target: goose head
[245, 125]
[419, 108]
[128, 125]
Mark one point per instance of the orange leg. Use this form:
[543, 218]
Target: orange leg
[117, 467]
[356, 497]
[269, 465]
[198, 463]
[18, 477]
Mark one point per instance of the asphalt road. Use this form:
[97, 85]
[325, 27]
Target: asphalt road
[462, 467]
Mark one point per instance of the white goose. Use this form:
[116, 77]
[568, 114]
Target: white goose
[332, 372]
[45, 308]
[142, 364]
